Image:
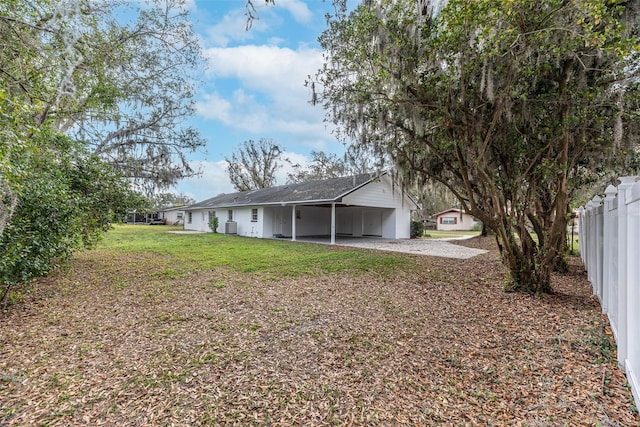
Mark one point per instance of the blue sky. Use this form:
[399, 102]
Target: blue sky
[254, 85]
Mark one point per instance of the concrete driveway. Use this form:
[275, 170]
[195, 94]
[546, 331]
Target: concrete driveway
[445, 248]
[431, 247]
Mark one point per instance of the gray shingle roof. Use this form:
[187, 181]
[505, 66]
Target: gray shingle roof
[329, 190]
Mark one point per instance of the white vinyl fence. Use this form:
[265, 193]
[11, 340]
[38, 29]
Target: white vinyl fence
[609, 242]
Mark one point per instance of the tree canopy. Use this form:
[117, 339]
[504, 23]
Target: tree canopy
[93, 96]
[511, 104]
[117, 77]
[329, 165]
[253, 164]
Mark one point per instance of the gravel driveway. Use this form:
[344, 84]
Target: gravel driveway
[430, 247]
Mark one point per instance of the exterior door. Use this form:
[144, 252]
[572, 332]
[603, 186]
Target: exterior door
[277, 222]
[372, 223]
[344, 223]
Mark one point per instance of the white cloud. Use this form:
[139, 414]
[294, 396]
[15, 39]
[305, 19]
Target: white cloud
[190, 5]
[213, 106]
[233, 28]
[213, 181]
[274, 74]
[321, 145]
[299, 10]
[262, 66]
[240, 111]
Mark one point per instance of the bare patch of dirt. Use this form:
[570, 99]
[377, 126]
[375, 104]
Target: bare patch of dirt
[127, 341]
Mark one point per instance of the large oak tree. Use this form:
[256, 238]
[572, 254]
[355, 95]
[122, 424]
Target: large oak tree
[93, 96]
[115, 75]
[511, 104]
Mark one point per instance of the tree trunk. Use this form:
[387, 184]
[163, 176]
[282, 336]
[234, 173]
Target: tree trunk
[528, 272]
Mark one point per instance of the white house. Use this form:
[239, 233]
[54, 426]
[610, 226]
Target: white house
[455, 219]
[172, 215]
[360, 205]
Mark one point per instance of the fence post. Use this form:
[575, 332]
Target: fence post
[621, 339]
[608, 247]
[581, 232]
[588, 241]
[596, 252]
[632, 361]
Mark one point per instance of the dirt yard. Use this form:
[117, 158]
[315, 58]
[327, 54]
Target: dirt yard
[105, 342]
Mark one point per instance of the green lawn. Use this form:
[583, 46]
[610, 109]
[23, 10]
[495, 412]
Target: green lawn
[438, 234]
[197, 251]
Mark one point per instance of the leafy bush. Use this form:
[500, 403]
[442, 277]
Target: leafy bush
[66, 200]
[213, 223]
[417, 229]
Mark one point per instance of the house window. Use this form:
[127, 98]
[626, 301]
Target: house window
[254, 215]
[230, 215]
[189, 217]
[448, 220]
[179, 215]
[212, 214]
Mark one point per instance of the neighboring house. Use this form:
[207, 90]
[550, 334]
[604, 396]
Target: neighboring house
[172, 215]
[360, 205]
[455, 219]
[134, 217]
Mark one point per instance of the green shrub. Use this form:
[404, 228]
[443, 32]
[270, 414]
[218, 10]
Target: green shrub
[417, 229]
[66, 200]
[213, 223]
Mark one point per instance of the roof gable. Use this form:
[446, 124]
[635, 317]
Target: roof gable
[455, 210]
[174, 208]
[328, 190]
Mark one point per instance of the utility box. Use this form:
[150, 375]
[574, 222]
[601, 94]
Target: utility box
[230, 227]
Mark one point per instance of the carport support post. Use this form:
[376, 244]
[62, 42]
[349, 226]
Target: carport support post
[333, 223]
[293, 223]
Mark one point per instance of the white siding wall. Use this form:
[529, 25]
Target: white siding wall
[379, 194]
[349, 221]
[313, 221]
[242, 216]
[246, 227]
[389, 223]
[466, 223]
[403, 222]
[198, 220]
[382, 194]
[265, 216]
[171, 217]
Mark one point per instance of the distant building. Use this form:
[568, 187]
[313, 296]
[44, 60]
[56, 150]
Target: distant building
[455, 220]
[172, 215]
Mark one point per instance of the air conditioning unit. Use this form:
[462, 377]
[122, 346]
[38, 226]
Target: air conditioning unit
[230, 227]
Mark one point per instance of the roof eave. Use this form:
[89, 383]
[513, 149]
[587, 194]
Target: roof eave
[281, 203]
